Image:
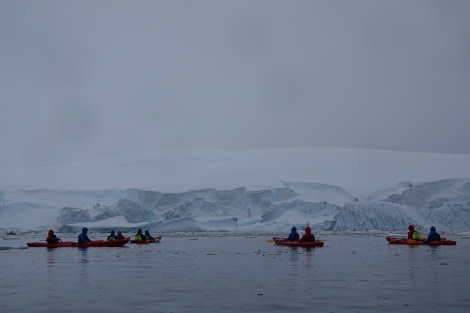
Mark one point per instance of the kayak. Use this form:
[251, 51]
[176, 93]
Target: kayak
[300, 243]
[51, 245]
[284, 242]
[104, 243]
[155, 239]
[406, 241]
[94, 243]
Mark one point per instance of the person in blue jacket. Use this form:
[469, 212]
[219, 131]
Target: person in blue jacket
[113, 236]
[83, 237]
[294, 235]
[148, 236]
[433, 235]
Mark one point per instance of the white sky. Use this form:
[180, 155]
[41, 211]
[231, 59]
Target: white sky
[88, 79]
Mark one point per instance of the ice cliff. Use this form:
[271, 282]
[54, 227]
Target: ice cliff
[443, 203]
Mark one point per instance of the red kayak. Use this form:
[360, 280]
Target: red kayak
[155, 239]
[406, 241]
[94, 243]
[52, 245]
[284, 242]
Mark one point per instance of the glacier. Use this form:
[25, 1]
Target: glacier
[242, 191]
[444, 204]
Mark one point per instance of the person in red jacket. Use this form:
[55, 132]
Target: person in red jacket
[413, 233]
[120, 235]
[308, 236]
[411, 230]
[52, 238]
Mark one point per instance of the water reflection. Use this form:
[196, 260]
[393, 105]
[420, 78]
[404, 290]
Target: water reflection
[51, 257]
[301, 263]
[83, 251]
[293, 255]
[309, 252]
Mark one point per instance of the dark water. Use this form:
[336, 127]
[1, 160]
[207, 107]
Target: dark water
[201, 273]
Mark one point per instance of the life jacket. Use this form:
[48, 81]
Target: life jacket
[52, 239]
[310, 237]
[416, 235]
[140, 237]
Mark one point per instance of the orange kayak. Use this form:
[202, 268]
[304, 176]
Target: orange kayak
[285, 242]
[155, 239]
[94, 243]
[406, 241]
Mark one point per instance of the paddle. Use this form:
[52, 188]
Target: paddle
[272, 240]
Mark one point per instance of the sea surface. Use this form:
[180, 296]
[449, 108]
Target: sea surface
[220, 272]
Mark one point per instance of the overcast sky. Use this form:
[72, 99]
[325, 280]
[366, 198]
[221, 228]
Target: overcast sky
[88, 79]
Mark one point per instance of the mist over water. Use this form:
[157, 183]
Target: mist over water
[201, 272]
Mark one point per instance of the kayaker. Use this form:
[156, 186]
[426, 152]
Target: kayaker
[308, 236]
[294, 235]
[83, 237]
[113, 236]
[120, 236]
[148, 236]
[433, 235]
[413, 233]
[52, 238]
[139, 235]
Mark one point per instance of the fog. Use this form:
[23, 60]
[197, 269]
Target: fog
[89, 79]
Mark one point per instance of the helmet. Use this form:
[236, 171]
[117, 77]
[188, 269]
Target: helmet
[294, 229]
[119, 233]
[51, 232]
[433, 228]
[411, 227]
[308, 230]
[147, 232]
[84, 230]
[112, 232]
